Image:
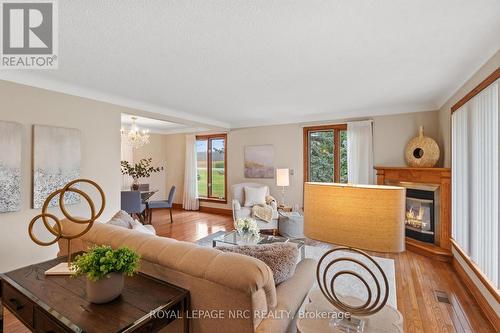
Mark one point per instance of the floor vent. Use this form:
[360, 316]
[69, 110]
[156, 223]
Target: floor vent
[442, 296]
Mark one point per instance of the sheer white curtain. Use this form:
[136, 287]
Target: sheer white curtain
[190, 196]
[460, 177]
[126, 155]
[360, 152]
[475, 180]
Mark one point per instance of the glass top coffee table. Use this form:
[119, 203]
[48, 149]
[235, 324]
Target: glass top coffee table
[234, 238]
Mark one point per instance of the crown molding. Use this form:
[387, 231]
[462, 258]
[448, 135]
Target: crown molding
[30, 79]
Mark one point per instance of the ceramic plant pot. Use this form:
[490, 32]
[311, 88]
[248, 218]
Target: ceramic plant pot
[106, 289]
[135, 185]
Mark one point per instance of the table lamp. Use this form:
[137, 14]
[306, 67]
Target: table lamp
[283, 180]
[369, 217]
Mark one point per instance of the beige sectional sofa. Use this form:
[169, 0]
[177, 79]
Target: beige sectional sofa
[217, 281]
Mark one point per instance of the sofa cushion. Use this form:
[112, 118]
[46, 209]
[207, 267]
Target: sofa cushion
[122, 219]
[280, 257]
[145, 229]
[291, 294]
[238, 193]
[243, 213]
[255, 196]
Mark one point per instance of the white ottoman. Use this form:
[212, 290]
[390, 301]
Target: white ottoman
[291, 225]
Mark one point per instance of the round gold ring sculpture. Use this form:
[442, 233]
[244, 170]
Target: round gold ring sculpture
[375, 301]
[57, 229]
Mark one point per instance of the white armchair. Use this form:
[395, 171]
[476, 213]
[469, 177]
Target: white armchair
[240, 211]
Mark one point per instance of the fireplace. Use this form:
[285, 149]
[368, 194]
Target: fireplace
[421, 216]
[435, 181]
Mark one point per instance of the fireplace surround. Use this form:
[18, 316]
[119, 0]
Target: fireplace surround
[422, 182]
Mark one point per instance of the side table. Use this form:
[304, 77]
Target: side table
[291, 224]
[58, 304]
[387, 320]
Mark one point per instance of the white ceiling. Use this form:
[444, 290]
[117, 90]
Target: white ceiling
[156, 126]
[236, 63]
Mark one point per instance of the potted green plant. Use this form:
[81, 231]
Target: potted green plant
[143, 169]
[105, 269]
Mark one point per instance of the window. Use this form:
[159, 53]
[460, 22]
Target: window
[325, 154]
[475, 178]
[211, 159]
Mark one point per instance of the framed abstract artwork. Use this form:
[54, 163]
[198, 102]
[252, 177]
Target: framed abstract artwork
[56, 161]
[259, 161]
[10, 166]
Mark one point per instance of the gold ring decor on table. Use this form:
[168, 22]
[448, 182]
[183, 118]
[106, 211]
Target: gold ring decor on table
[376, 299]
[57, 230]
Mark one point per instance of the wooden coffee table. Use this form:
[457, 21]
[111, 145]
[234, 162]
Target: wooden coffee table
[57, 303]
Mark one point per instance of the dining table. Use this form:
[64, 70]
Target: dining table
[145, 196]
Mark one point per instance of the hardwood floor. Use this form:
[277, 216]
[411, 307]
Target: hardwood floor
[189, 225]
[12, 325]
[417, 280]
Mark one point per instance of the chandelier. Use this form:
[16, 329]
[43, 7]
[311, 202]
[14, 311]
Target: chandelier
[134, 137]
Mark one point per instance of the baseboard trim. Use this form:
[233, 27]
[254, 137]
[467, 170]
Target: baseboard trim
[428, 250]
[205, 209]
[214, 210]
[476, 270]
[485, 307]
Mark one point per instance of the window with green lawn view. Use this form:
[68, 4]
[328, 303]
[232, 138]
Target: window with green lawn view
[325, 152]
[211, 166]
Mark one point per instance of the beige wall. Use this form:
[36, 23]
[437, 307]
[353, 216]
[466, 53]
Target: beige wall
[176, 153]
[100, 142]
[287, 141]
[156, 149]
[167, 151]
[445, 112]
[391, 133]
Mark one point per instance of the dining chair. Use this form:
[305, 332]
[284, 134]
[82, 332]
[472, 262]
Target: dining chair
[131, 202]
[157, 204]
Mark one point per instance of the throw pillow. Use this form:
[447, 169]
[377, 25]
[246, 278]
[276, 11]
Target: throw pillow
[145, 229]
[255, 196]
[280, 257]
[122, 219]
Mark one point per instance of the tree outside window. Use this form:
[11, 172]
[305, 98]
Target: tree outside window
[325, 154]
